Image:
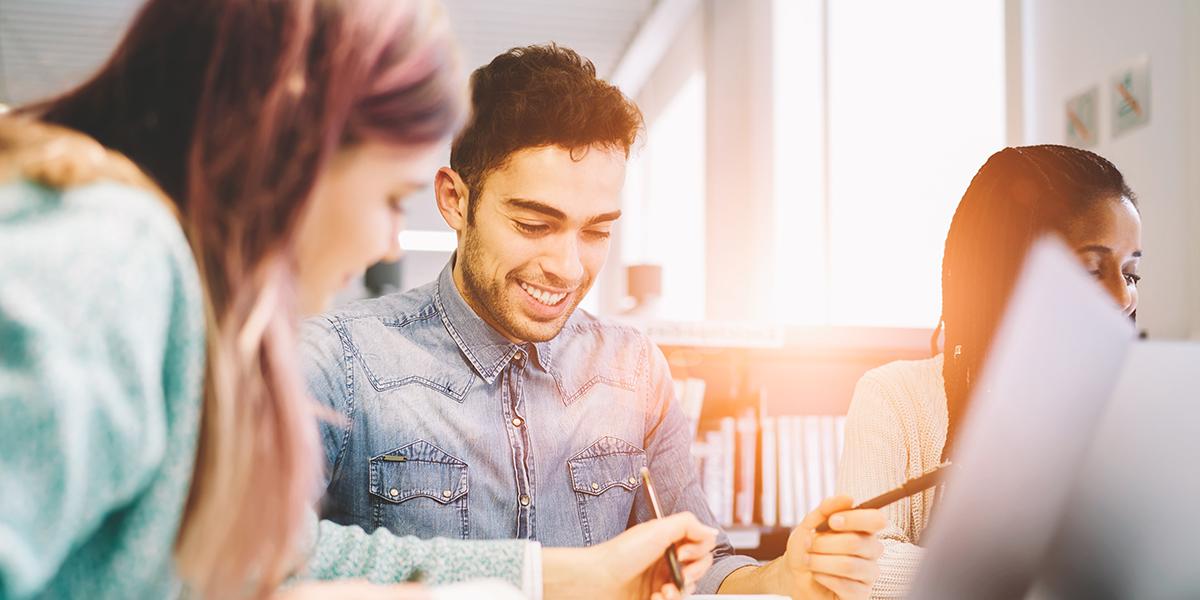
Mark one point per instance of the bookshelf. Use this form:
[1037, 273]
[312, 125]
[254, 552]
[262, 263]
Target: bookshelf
[767, 408]
[761, 472]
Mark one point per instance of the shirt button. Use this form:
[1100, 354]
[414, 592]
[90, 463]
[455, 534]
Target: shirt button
[632, 481]
[595, 486]
[517, 421]
[394, 492]
[524, 500]
[519, 357]
[447, 493]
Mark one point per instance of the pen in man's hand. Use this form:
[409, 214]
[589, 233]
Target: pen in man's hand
[672, 557]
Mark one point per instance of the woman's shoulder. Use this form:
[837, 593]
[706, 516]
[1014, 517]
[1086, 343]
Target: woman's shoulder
[61, 158]
[86, 238]
[907, 370]
[93, 252]
[908, 385]
[70, 208]
[98, 216]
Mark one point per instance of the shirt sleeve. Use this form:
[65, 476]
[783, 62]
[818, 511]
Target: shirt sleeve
[669, 456]
[326, 365]
[86, 313]
[346, 551]
[875, 460]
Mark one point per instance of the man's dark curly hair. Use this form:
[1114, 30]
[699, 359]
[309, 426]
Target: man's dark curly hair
[538, 96]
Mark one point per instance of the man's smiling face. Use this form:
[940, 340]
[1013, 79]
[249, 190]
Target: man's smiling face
[538, 235]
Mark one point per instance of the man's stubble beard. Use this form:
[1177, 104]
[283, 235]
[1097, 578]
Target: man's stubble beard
[490, 298]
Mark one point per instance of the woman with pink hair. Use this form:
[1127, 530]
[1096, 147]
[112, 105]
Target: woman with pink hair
[162, 229]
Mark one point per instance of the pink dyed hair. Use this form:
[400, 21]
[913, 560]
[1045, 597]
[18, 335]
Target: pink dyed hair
[234, 107]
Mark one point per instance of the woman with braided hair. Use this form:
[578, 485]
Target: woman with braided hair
[904, 416]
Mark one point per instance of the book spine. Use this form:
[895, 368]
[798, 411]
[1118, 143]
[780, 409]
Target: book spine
[747, 454]
[727, 457]
[787, 472]
[829, 453]
[770, 472]
[815, 478]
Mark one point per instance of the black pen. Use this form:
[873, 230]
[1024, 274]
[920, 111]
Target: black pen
[672, 557]
[925, 481]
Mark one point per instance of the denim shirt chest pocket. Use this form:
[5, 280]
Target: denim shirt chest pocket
[408, 354]
[605, 479]
[419, 487]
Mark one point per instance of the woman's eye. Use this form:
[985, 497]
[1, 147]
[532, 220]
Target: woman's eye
[1131, 279]
[396, 204]
[598, 235]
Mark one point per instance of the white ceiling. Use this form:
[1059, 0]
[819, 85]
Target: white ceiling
[48, 45]
[597, 29]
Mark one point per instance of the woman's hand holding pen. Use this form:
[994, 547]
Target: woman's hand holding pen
[841, 563]
[631, 565]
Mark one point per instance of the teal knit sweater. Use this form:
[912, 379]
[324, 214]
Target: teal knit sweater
[101, 367]
[101, 373]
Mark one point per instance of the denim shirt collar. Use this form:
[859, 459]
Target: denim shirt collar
[487, 350]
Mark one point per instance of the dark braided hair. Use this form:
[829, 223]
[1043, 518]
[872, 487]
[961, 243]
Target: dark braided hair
[1018, 195]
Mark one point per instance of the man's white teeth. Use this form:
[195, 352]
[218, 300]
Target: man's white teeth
[544, 297]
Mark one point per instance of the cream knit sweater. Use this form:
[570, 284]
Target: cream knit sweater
[895, 429]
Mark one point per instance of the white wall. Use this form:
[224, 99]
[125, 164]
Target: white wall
[1071, 45]
[729, 43]
[663, 220]
[739, 170]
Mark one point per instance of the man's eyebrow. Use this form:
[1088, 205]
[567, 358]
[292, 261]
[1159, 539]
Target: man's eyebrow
[537, 207]
[604, 218]
[554, 213]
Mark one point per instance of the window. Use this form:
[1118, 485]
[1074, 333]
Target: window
[664, 196]
[883, 112]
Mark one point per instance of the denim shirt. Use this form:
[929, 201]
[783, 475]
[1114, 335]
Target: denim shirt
[444, 428]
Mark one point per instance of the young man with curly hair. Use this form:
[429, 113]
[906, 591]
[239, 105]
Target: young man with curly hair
[484, 405]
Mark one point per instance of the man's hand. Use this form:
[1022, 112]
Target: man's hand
[631, 565]
[840, 563]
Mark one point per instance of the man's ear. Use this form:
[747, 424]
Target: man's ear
[453, 198]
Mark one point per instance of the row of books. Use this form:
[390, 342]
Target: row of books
[768, 470]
